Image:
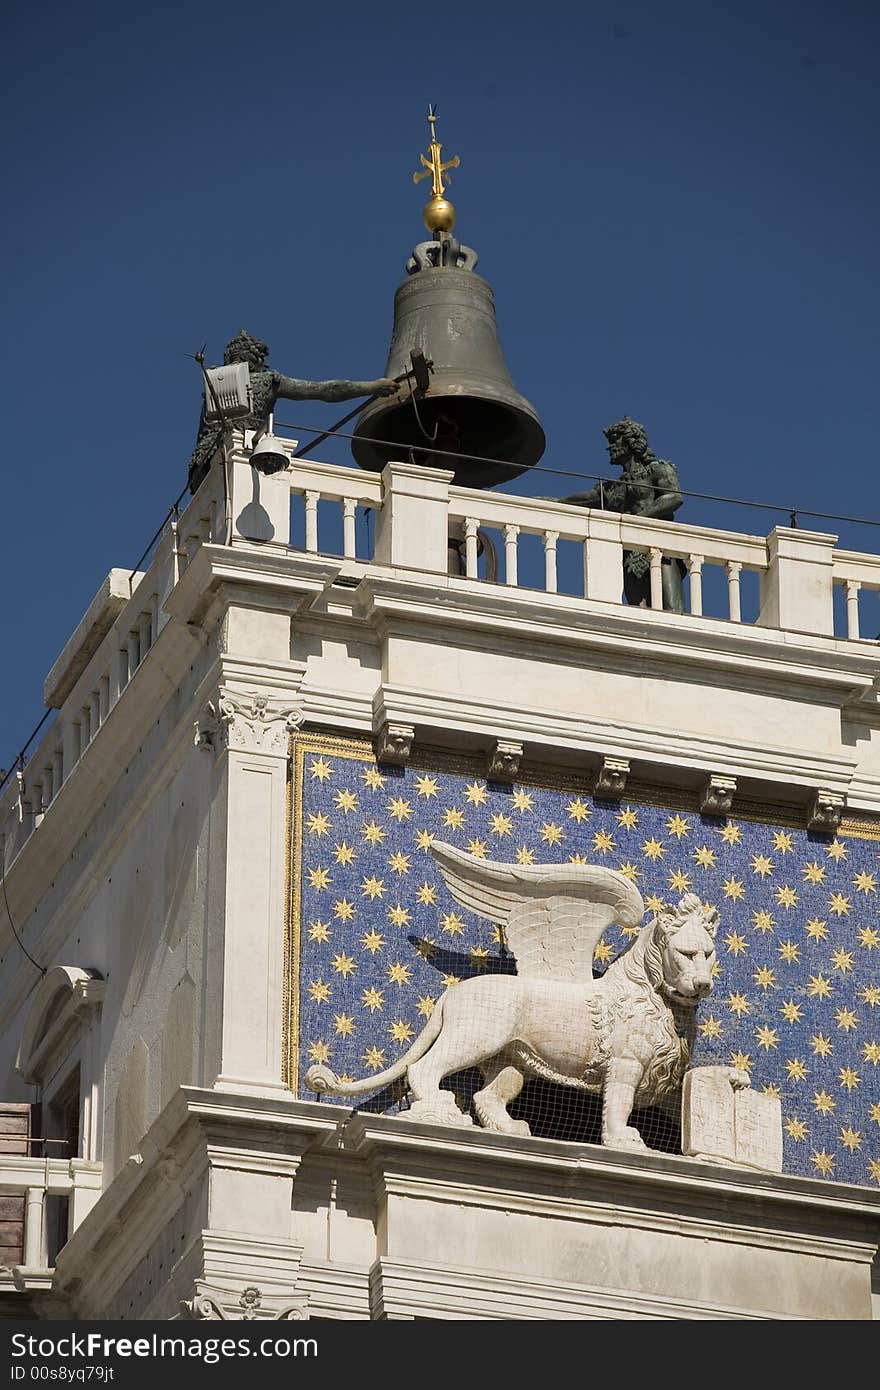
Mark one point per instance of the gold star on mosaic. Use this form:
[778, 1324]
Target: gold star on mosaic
[838, 904]
[603, 951]
[602, 842]
[343, 854]
[678, 826]
[711, 1027]
[791, 1011]
[319, 878]
[836, 850]
[427, 895]
[783, 842]
[735, 943]
[761, 865]
[401, 1031]
[320, 769]
[453, 818]
[816, 930]
[371, 941]
[821, 1045]
[819, 986]
[498, 936]
[629, 870]
[400, 974]
[823, 1162]
[501, 824]
[733, 888]
[679, 881]
[373, 999]
[741, 1060]
[524, 855]
[870, 995]
[715, 972]
[628, 818]
[705, 857]
[767, 1037]
[771, 1089]
[869, 938]
[813, 873]
[449, 981]
[849, 1078]
[522, 800]
[823, 1103]
[319, 931]
[344, 910]
[731, 834]
[479, 957]
[762, 920]
[874, 1113]
[789, 951]
[426, 947]
[551, 834]
[374, 1058]
[578, 810]
[842, 960]
[865, 882]
[738, 1004]
[765, 977]
[452, 924]
[653, 848]
[373, 833]
[427, 786]
[398, 863]
[373, 779]
[399, 916]
[797, 1070]
[477, 848]
[871, 1052]
[318, 824]
[874, 1168]
[424, 840]
[654, 904]
[797, 1130]
[344, 1024]
[345, 800]
[851, 1139]
[425, 1005]
[344, 965]
[319, 1052]
[475, 794]
[400, 809]
[846, 1019]
[372, 887]
[319, 991]
[786, 897]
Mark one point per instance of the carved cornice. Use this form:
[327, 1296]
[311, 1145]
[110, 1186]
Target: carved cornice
[220, 1305]
[251, 722]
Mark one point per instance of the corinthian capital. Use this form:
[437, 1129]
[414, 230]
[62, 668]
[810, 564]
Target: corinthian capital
[250, 721]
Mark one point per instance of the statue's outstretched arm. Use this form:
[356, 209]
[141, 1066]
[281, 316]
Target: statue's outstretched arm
[593, 498]
[292, 389]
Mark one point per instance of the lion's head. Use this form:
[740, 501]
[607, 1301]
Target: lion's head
[680, 955]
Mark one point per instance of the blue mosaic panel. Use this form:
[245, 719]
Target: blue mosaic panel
[377, 936]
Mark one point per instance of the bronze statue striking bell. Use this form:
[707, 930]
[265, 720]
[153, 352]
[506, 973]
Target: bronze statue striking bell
[471, 406]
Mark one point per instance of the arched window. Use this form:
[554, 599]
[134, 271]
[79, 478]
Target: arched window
[60, 1053]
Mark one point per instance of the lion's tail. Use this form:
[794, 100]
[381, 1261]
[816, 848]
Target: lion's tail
[320, 1078]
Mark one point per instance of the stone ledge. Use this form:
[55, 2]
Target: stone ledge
[99, 617]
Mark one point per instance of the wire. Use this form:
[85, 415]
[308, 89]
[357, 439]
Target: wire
[34, 963]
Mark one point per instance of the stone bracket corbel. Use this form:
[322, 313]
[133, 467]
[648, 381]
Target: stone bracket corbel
[826, 810]
[716, 797]
[611, 778]
[394, 743]
[503, 760]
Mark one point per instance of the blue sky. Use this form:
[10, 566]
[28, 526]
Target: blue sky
[676, 205]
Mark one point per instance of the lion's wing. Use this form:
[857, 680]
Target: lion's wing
[553, 915]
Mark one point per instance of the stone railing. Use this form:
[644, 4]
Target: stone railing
[54, 1196]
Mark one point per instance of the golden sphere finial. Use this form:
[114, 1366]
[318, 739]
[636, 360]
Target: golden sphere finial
[439, 213]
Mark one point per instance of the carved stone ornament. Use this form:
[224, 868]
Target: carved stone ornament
[717, 795]
[503, 761]
[826, 811]
[624, 1035]
[394, 743]
[221, 1305]
[253, 722]
[611, 778]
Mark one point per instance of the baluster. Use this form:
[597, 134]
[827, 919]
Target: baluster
[510, 554]
[852, 608]
[94, 712]
[312, 522]
[145, 633]
[57, 772]
[104, 691]
[86, 732]
[733, 572]
[134, 653]
[470, 547]
[550, 539]
[656, 560]
[46, 789]
[695, 570]
[349, 549]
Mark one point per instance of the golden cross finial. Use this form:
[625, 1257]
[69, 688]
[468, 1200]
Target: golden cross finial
[434, 166]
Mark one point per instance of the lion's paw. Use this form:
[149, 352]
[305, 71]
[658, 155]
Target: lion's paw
[507, 1126]
[739, 1079]
[431, 1112]
[627, 1138]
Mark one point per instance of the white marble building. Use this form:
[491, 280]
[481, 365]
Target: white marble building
[147, 846]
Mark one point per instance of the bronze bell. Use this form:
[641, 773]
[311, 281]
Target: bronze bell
[447, 313]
